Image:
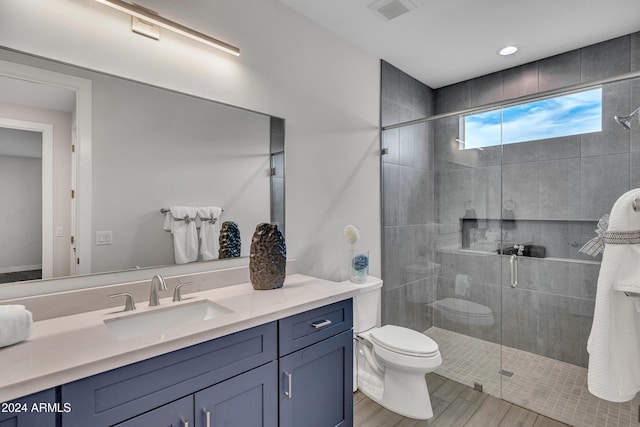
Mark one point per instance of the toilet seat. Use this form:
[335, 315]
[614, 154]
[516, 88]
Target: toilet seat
[404, 341]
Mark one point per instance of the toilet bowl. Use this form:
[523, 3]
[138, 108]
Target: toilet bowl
[391, 361]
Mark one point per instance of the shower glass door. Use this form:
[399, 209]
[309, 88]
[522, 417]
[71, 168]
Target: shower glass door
[467, 303]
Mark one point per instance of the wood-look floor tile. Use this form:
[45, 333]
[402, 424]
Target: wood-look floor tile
[358, 396]
[449, 391]
[434, 381]
[490, 413]
[375, 415]
[438, 406]
[543, 421]
[519, 417]
[364, 410]
[456, 414]
[454, 405]
[473, 396]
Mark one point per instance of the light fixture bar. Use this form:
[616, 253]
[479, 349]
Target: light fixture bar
[158, 20]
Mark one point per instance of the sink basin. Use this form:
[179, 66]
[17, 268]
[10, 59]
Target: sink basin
[161, 319]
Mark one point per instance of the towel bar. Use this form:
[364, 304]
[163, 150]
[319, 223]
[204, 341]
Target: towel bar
[188, 220]
[165, 210]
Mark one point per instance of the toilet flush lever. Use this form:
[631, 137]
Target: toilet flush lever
[321, 323]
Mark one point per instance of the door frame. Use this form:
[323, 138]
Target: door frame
[82, 180]
[46, 130]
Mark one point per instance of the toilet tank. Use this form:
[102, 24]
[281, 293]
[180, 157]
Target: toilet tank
[367, 305]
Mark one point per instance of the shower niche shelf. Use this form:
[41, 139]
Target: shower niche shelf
[542, 237]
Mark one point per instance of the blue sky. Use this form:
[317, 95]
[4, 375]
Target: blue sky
[571, 114]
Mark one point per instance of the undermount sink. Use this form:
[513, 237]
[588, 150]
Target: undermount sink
[161, 319]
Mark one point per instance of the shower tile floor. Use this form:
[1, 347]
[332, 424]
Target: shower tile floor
[549, 387]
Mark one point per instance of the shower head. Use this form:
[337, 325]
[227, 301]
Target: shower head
[626, 120]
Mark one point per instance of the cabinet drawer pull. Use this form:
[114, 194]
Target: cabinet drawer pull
[321, 323]
[207, 416]
[288, 393]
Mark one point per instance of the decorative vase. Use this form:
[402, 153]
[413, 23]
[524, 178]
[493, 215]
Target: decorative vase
[359, 266]
[268, 258]
[230, 243]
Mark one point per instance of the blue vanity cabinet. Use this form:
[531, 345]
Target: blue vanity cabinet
[35, 410]
[316, 367]
[296, 371]
[249, 399]
[121, 394]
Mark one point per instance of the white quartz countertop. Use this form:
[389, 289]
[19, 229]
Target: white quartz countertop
[65, 349]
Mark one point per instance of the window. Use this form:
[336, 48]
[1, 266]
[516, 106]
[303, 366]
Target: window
[572, 114]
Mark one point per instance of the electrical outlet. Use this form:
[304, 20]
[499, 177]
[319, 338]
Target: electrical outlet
[104, 238]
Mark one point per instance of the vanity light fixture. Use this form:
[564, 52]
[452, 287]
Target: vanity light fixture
[508, 50]
[150, 19]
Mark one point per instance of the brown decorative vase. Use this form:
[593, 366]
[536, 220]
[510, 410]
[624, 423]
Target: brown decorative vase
[230, 243]
[268, 258]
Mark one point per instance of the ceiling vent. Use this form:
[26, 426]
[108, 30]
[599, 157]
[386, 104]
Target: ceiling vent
[389, 10]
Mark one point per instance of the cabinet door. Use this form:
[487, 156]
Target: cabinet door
[35, 410]
[174, 414]
[316, 384]
[250, 399]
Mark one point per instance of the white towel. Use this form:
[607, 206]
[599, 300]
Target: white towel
[209, 232]
[15, 324]
[614, 343]
[185, 233]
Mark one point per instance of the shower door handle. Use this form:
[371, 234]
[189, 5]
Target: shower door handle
[513, 261]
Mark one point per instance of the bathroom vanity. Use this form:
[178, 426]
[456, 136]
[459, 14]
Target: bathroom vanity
[276, 358]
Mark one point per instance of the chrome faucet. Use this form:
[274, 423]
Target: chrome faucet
[157, 284]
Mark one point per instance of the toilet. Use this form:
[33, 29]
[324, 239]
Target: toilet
[390, 362]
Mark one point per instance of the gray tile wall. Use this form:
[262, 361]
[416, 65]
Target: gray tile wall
[561, 186]
[409, 272]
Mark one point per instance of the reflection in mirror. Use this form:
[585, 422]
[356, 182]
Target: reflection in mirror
[21, 193]
[148, 149]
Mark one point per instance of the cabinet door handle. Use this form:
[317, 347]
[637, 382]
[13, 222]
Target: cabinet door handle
[185, 423]
[321, 323]
[207, 416]
[288, 393]
[514, 270]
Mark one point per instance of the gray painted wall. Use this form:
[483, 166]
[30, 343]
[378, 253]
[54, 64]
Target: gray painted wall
[560, 186]
[21, 225]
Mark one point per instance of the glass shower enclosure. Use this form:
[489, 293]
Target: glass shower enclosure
[484, 215]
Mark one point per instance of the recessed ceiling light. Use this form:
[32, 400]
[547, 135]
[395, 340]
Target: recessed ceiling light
[508, 50]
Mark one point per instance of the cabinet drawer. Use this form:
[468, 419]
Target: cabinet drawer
[174, 414]
[301, 330]
[114, 396]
